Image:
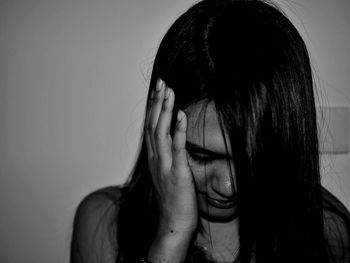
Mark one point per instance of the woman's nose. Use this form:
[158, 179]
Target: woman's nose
[223, 179]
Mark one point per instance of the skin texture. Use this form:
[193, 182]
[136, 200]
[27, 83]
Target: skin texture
[183, 182]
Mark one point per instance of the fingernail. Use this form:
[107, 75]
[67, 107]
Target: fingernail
[167, 93]
[159, 85]
[179, 115]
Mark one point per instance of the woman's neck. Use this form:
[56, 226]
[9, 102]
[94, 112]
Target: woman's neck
[220, 241]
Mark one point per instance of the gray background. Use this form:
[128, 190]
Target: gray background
[73, 82]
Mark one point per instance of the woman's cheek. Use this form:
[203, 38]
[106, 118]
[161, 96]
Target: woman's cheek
[199, 174]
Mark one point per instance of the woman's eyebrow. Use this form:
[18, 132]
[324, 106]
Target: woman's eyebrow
[192, 147]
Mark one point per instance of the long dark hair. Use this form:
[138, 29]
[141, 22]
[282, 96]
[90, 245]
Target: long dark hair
[247, 58]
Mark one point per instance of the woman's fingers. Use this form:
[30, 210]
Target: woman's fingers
[179, 141]
[162, 136]
[159, 143]
[147, 134]
[155, 109]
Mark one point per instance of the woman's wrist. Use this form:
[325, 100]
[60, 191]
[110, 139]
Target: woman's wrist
[169, 247]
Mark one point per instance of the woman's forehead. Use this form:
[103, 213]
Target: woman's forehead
[203, 124]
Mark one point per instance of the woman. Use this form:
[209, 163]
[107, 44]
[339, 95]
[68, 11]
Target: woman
[228, 169]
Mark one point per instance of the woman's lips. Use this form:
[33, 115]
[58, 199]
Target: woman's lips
[222, 203]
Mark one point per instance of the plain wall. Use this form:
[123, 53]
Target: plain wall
[73, 82]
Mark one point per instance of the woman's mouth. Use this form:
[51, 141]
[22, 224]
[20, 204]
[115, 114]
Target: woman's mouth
[222, 203]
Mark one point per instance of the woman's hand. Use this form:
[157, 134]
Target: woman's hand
[167, 160]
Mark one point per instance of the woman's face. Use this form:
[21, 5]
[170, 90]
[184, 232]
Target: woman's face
[211, 164]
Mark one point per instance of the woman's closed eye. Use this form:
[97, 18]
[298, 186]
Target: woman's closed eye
[200, 158]
[202, 155]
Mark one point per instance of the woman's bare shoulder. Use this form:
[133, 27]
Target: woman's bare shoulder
[337, 227]
[101, 205]
[94, 227]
